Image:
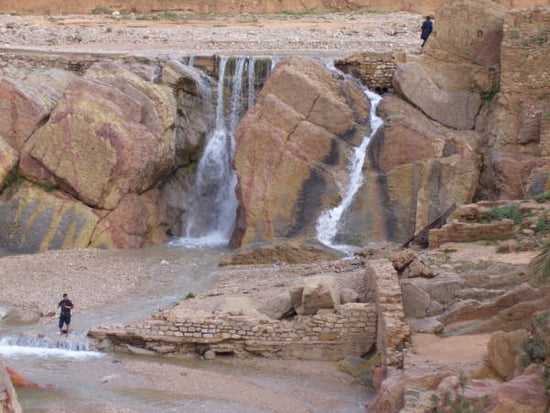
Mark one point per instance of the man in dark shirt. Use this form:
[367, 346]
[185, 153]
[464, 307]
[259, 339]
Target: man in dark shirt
[427, 28]
[66, 306]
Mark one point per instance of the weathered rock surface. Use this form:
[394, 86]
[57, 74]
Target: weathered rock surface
[291, 150]
[514, 124]
[315, 293]
[32, 220]
[414, 186]
[8, 398]
[456, 109]
[110, 135]
[8, 159]
[504, 351]
[23, 107]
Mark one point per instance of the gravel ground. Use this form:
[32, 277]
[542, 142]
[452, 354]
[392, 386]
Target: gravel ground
[333, 34]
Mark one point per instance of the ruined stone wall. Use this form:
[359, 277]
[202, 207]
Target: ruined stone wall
[393, 332]
[525, 53]
[375, 70]
[328, 335]
[460, 231]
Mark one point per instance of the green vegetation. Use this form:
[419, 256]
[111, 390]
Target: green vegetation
[535, 350]
[458, 402]
[489, 96]
[301, 13]
[509, 211]
[542, 226]
[540, 265]
[545, 196]
[102, 10]
[543, 36]
[189, 296]
[251, 19]
[368, 11]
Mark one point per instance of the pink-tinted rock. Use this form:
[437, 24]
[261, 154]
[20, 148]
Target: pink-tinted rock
[23, 106]
[104, 140]
[32, 220]
[8, 159]
[291, 150]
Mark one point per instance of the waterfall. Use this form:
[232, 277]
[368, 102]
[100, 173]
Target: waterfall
[212, 212]
[328, 223]
[251, 77]
[75, 347]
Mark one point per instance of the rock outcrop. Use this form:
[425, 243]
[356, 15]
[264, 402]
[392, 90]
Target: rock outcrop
[291, 152]
[415, 170]
[96, 160]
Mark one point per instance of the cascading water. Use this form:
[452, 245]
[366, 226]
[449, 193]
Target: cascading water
[211, 215]
[328, 223]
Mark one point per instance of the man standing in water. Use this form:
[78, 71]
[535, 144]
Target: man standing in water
[427, 28]
[66, 306]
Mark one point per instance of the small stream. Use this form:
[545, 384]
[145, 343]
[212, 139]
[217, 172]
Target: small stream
[89, 381]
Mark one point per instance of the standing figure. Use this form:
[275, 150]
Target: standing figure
[66, 306]
[427, 28]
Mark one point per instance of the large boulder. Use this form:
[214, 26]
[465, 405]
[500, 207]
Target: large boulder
[8, 160]
[312, 294]
[110, 135]
[291, 155]
[32, 220]
[416, 169]
[23, 107]
[504, 351]
[454, 108]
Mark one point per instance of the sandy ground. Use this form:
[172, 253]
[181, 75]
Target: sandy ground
[326, 34]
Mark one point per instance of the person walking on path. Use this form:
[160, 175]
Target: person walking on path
[427, 28]
[66, 306]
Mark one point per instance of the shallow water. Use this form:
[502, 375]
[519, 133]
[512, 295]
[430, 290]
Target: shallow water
[87, 381]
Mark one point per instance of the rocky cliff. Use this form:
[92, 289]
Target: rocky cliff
[85, 160]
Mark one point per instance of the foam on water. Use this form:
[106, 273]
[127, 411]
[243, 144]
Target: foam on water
[46, 347]
[212, 240]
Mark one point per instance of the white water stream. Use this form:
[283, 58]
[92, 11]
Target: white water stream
[329, 222]
[86, 379]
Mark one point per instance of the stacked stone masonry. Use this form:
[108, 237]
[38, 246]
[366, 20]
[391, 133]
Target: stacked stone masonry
[328, 335]
[393, 333]
[460, 232]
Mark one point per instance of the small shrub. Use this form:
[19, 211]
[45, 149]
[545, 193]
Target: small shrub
[189, 296]
[490, 95]
[542, 226]
[541, 198]
[509, 211]
[535, 350]
[102, 10]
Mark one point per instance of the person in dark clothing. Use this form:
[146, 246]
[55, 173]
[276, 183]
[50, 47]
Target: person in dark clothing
[427, 28]
[66, 306]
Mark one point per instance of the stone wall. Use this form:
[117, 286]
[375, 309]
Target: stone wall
[393, 332]
[460, 231]
[329, 335]
[375, 70]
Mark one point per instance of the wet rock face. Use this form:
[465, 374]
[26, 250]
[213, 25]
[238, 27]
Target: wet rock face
[416, 169]
[80, 159]
[291, 150]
